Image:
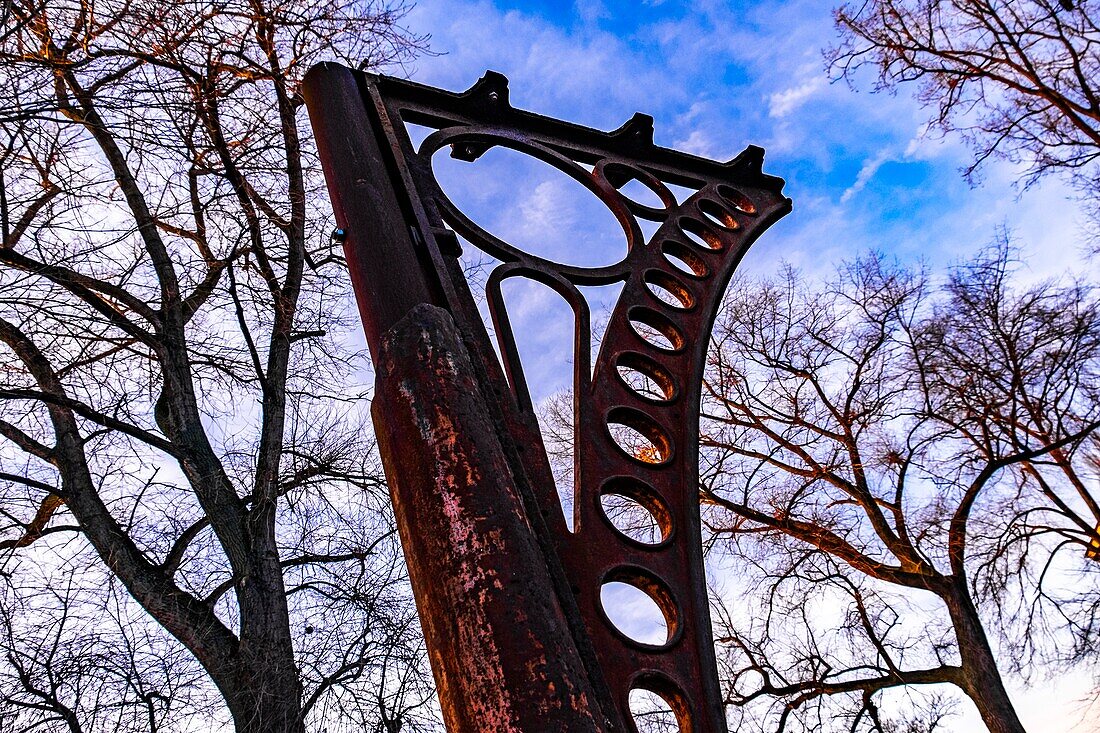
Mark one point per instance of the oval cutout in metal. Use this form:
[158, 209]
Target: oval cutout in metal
[739, 200]
[645, 377]
[669, 290]
[635, 510]
[718, 215]
[657, 705]
[640, 607]
[639, 436]
[684, 259]
[656, 330]
[699, 233]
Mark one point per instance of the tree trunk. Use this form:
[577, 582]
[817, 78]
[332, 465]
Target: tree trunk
[980, 678]
[267, 702]
[269, 696]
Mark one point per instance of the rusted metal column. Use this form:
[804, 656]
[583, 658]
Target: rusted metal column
[388, 271]
[499, 644]
[500, 647]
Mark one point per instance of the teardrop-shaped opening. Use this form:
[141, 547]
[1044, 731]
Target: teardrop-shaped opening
[533, 206]
[655, 329]
[668, 290]
[639, 436]
[700, 233]
[601, 300]
[543, 327]
[739, 200]
[718, 214]
[635, 510]
[684, 259]
[645, 377]
[556, 419]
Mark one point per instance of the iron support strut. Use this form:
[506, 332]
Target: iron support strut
[499, 643]
[509, 592]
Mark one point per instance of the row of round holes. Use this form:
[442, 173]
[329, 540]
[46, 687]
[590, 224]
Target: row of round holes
[632, 507]
[628, 175]
[655, 329]
[634, 431]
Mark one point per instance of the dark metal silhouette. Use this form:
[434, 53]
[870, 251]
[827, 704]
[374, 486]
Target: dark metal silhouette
[508, 595]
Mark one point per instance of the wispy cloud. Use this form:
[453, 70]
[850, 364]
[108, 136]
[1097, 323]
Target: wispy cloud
[866, 172]
[782, 103]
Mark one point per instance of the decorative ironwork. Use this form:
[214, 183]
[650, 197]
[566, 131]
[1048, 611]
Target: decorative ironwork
[646, 378]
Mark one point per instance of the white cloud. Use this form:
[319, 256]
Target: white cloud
[697, 143]
[866, 173]
[782, 103]
[579, 73]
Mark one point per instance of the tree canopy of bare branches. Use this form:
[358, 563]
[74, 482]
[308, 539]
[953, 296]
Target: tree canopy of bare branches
[1018, 79]
[178, 442]
[906, 472]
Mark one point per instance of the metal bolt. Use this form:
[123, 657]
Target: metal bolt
[494, 97]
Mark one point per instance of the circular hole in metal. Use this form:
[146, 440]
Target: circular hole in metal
[718, 214]
[634, 614]
[700, 233]
[640, 607]
[657, 706]
[668, 289]
[645, 377]
[739, 200]
[652, 713]
[655, 329]
[684, 258]
[639, 436]
[635, 511]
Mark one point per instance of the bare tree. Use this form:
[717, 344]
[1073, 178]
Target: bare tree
[1018, 79]
[179, 412]
[906, 473]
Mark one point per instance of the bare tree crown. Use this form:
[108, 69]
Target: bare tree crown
[177, 402]
[1017, 79]
[907, 472]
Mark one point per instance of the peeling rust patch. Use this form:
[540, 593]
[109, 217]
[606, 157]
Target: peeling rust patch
[499, 644]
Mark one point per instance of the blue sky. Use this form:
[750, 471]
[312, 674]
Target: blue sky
[716, 76]
[719, 75]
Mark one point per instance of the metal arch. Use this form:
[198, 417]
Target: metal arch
[660, 327]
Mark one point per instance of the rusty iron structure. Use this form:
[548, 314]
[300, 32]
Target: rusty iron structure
[509, 596]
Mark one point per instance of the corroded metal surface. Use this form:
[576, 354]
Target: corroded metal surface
[645, 380]
[474, 546]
